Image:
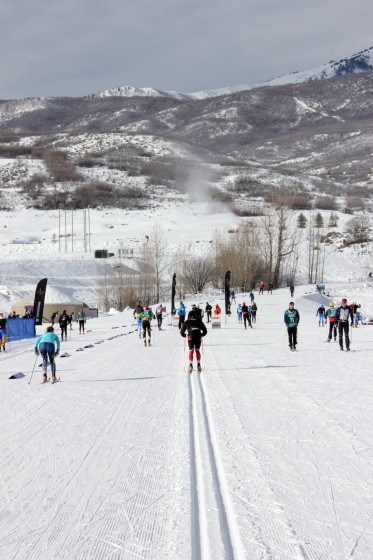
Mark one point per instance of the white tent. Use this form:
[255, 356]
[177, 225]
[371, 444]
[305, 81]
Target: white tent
[56, 299]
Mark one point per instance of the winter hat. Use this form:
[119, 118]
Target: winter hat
[192, 314]
[331, 304]
[344, 300]
[146, 308]
[194, 306]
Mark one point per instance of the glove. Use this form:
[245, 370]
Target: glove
[57, 352]
[352, 324]
[36, 352]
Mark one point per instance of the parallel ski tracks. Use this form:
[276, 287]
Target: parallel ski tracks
[215, 533]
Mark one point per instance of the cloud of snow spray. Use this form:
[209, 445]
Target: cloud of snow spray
[198, 181]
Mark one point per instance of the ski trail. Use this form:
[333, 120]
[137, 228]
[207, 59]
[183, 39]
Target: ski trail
[215, 533]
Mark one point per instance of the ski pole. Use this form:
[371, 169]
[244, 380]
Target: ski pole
[33, 369]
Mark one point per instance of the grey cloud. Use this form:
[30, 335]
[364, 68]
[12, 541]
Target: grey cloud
[77, 47]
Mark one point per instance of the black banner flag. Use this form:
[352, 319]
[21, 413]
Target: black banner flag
[41, 288]
[173, 293]
[227, 292]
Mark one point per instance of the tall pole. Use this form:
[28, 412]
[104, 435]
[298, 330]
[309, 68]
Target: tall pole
[85, 231]
[89, 231]
[65, 234]
[72, 230]
[59, 231]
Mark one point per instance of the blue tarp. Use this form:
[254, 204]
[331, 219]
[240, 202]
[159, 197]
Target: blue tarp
[17, 329]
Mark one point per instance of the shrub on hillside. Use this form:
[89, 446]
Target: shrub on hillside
[326, 203]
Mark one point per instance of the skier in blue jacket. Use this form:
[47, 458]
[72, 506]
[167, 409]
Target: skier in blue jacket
[48, 346]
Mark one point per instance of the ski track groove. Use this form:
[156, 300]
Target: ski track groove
[223, 541]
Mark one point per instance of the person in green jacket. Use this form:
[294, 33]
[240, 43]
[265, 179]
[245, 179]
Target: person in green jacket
[48, 346]
[81, 318]
[291, 318]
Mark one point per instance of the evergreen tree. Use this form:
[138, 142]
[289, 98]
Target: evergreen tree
[319, 221]
[302, 221]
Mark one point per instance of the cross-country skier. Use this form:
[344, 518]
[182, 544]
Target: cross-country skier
[158, 314]
[291, 318]
[270, 287]
[291, 287]
[181, 312]
[254, 309]
[320, 313]
[246, 313]
[64, 321]
[343, 313]
[196, 329]
[251, 297]
[137, 315]
[81, 317]
[261, 288]
[208, 310]
[239, 313]
[198, 312]
[146, 317]
[332, 322]
[48, 346]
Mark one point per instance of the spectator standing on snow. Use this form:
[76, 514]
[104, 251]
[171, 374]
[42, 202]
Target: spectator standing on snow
[196, 329]
[72, 317]
[291, 287]
[343, 314]
[54, 317]
[48, 346]
[233, 297]
[208, 310]
[291, 318]
[270, 287]
[261, 288]
[81, 317]
[251, 297]
[217, 310]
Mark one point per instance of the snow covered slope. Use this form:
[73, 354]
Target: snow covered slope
[265, 455]
[358, 62]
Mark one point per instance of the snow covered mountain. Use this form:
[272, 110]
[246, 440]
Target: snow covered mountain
[358, 62]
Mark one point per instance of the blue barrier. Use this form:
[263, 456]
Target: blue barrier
[17, 329]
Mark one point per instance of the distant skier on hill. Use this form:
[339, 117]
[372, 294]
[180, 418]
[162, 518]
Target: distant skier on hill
[291, 287]
[291, 318]
[320, 313]
[196, 329]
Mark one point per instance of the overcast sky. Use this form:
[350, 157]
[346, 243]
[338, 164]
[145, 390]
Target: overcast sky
[79, 47]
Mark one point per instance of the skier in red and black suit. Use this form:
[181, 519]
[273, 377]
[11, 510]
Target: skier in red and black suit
[196, 329]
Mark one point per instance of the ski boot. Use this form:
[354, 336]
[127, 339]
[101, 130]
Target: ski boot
[144, 341]
[45, 378]
[199, 368]
[149, 342]
[190, 369]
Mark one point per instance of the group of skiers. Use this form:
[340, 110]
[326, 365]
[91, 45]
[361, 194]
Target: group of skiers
[191, 326]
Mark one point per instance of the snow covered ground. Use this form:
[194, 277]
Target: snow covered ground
[267, 454]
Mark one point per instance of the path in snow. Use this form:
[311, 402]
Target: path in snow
[265, 455]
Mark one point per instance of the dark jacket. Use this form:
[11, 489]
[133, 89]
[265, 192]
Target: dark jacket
[194, 327]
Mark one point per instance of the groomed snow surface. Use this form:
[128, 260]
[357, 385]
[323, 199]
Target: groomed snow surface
[267, 454]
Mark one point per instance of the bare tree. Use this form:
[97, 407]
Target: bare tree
[158, 251]
[358, 229]
[197, 274]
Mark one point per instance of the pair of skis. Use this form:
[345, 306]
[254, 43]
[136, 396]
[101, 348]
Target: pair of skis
[48, 380]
